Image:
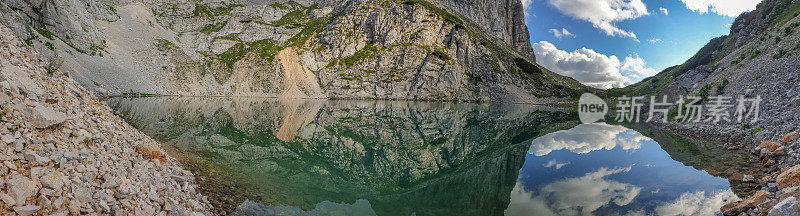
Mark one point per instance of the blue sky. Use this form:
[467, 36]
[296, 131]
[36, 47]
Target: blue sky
[613, 43]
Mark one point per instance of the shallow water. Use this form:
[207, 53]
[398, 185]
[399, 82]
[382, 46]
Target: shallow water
[264, 157]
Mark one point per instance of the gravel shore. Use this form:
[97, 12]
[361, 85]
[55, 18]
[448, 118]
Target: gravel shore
[66, 153]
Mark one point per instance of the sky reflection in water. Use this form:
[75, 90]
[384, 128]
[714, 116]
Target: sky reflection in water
[263, 157]
[604, 169]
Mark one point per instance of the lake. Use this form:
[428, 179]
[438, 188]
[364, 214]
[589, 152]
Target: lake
[308, 157]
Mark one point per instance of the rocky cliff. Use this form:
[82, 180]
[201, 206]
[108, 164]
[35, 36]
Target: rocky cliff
[451, 50]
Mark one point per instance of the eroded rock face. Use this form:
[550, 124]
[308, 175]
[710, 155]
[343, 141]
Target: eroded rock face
[505, 19]
[354, 49]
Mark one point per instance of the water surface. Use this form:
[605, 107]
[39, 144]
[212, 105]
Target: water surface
[264, 157]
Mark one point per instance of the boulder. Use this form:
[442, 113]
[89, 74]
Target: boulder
[789, 177]
[790, 137]
[40, 116]
[26, 210]
[787, 206]
[21, 188]
[771, 146]
[53, 180]
[736, 208]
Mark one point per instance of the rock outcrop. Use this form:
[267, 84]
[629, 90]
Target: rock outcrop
[448, 50]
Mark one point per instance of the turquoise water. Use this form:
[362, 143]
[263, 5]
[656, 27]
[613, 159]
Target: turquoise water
[266, 157]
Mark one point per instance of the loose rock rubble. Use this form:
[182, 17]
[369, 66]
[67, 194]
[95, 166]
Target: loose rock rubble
[64, 152]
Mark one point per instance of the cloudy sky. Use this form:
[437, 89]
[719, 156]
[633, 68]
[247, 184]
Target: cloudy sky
[614, 43]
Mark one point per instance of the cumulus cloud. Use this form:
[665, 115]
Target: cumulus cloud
[561, 33]
[602, 14]
[697, 203]
[664, 11]
[589, 67]
[586, 138]
[635, 66]
[731, 8]
[555, 164]
[574, 196]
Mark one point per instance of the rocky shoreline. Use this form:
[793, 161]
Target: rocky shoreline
[780, 183]
[66, 153]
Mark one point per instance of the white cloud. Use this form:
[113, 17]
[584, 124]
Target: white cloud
[655, 40]
[555, 164]
[603, 13]
[586, 138]
[526, 4]
[697, 203]
[574, 196]
[731, 8]
[633, 65]
[589, 67]
[561, 33]
[664, 10]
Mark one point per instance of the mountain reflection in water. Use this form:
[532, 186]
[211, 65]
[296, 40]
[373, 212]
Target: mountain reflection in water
[265, 157]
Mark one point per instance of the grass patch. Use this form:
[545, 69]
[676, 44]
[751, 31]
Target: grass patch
[210, 28]
[527, 66]
[780, 54]
[46, 33]
[790, 29]
[50, 46]
[201, 10]
[267, 49]
[440, 12]
[721, 87]
[704, 91]
[441, 55]
[360, 55]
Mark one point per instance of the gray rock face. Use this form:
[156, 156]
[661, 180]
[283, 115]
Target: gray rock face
[72, 20]
[787, 207]
[505, 19]
[450, 50]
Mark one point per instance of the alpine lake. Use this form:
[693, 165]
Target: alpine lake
[335, 157]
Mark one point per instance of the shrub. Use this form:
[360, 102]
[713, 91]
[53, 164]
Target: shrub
[441, 55]
[527, 66]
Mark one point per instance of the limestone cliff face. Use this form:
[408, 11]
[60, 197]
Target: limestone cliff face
[505, 19]
[451, 50]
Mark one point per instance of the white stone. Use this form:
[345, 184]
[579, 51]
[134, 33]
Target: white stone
[21, 188]
[40, 116]
[26, 210]
[8, 199]
[53, 180]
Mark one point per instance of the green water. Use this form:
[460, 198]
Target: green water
[266, 157]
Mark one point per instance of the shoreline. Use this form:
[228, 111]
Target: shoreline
[67, 153]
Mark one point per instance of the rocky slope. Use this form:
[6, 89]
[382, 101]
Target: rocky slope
[758, 58]
[451, 50]
[64, 152]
